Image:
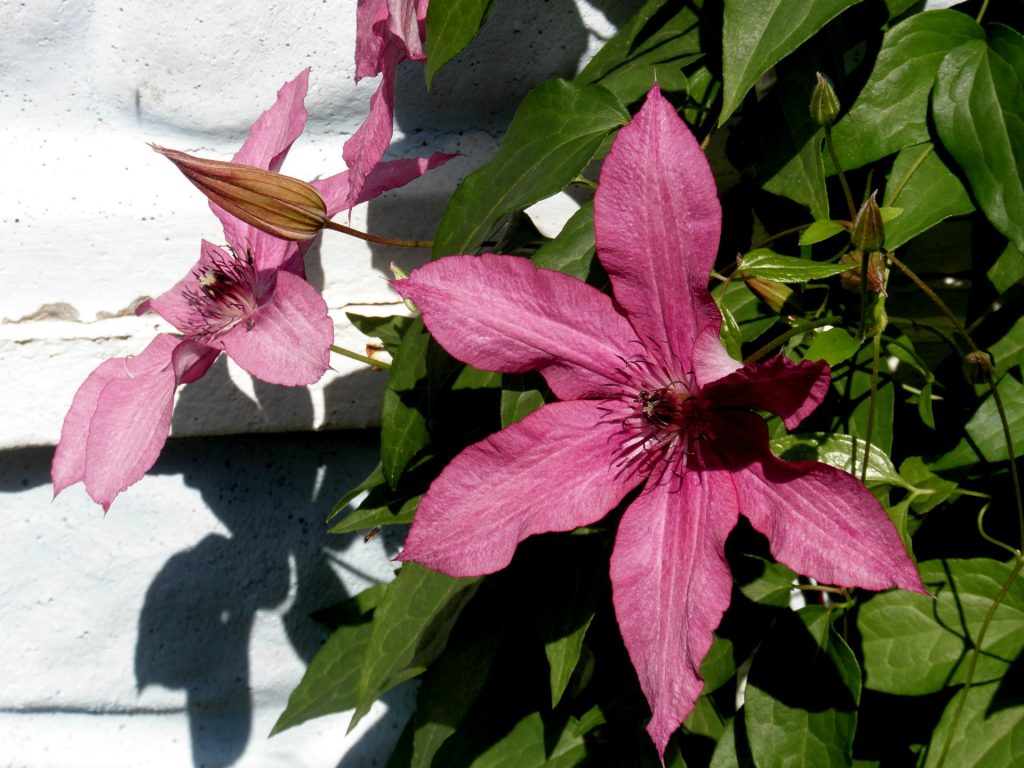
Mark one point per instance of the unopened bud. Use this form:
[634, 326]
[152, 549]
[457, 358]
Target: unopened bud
[824, 102]
[868, 233]
[978, 367]
[273, 203]
[401, 274]
[851, 278]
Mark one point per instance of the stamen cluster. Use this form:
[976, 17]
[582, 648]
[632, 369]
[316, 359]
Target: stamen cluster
[225, 294]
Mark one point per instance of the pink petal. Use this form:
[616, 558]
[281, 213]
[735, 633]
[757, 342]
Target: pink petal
[670, 586]
[120, 416]
[289, 342]
[657, 221]
[789, 390]
[500, 313]
[820, 521]
[173, 305]
[405, 22]
[371, 36]
[335, 190]
[367, 145]
[710, 360]
[553, 471]
[270, 138]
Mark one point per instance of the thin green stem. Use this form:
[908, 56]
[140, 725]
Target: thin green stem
[783, 338]
[779, 235]
[378, 364]
[981, 11]
[375, 238]
[910, 172]
[872, 402]
[1007, 436]
[839, 170]
[976, 652]
[989, 539]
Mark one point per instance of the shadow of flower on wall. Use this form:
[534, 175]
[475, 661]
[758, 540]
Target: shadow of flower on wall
[271, 494]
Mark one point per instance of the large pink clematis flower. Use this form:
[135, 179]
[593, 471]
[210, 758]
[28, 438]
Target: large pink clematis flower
[648, 397]
[250, 299]
[388, 32]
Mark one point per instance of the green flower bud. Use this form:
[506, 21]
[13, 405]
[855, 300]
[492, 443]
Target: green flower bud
[824, 102]
[868, 233]
[273, 203]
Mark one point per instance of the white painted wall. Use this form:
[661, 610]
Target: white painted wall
[171, 631]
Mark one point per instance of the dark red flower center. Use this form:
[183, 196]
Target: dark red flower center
[225, 295]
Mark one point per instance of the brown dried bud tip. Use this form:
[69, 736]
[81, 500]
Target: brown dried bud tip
[978, 367]
[868, 233]
[824, 102]
[278, 205]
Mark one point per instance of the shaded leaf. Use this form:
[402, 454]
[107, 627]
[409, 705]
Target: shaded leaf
[822, 229]
[409, 630]
[398, 512]
[572, 251]
[756, 36]
[330, 683]
[914, 645]
[404, 431]
[838, 451]
[451, 25]
[986, 429]
[802, 694]
[773, 587]
[928, 490]
[988, 732]
[833, 346]
[1008, 269]
[891, 111]
[979, 113]
[928, 191]
[375, 478]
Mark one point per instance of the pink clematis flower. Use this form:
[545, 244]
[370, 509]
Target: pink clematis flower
[388, 32]
[250, 299]
[648, 397]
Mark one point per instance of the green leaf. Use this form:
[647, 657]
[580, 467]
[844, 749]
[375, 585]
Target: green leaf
[853, 383]
[750, 314]
[891, 111]
[1009, 350]
[915, 645]
[371, 515]
[719, 664]
[570, 603]
[450, 687]
[671, 45]
[833, 346]
[525, 746]
[375, 478]
[554, 134]
[732, 749]
[330, 683]
[572, 251]
[927, 189]
[756, 36]
[389, 330]
[928, 490]
[820, 230]
[985, 427]
[769, 265]
[802, 694]
[451, 25]
[989, 728]
[1008, 269]
[838, 451]
[410, 629]
[403, 430]
[773, 587]
[979, 113]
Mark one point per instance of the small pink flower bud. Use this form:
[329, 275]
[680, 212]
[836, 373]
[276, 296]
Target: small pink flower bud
[273, 203]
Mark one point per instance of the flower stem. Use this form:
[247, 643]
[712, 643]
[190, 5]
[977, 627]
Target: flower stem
[378, 364]
[981, 11]
[872, 402]
[839, 170]
[1007, 436]
[910, 173]
[375, 238]
[975, 653]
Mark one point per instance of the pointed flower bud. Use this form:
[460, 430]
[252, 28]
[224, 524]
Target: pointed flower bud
[868, 233]
[978, 367]
[851, 278]
[824, 102]
[278, 205]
